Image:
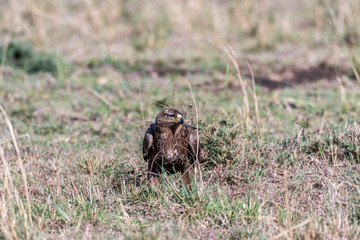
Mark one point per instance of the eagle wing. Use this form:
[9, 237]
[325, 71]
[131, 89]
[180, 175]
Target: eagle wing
[148, 141]
[196, 149]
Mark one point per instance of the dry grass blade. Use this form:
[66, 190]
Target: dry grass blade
[7, 205]
[75, 188]
[141, 102]
[171, 185]
[3, 60]
[257, 115]
[284, 233]
[5, 141]
[287, 205]
[246, 108]
[23, 173]
[198, 139]
[356, 73]
[94, 15]
[125, 215]
[102, 98]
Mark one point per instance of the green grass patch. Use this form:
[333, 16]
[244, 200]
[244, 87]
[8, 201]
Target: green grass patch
[22, 55]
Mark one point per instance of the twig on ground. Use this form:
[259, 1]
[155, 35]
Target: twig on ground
[102, 98]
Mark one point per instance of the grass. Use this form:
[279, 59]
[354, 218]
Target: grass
[281, 127]
[81, 176]
[23, 56]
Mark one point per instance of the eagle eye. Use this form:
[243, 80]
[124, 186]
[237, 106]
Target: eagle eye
[170, 115]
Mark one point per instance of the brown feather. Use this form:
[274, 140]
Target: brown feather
[171, 146]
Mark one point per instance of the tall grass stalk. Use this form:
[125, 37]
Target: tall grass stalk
[256, 105]
[246, 108]
[197, 163]
[26, 216]
[3, 61]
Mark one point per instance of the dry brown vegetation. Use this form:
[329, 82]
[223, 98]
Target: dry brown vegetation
[272, 85]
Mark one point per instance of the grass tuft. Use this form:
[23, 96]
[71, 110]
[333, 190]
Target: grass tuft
[23, 56]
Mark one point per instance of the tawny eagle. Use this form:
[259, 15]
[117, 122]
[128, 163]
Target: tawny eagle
[171, 145]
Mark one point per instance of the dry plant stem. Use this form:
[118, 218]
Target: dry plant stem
[173, 95]
[23, 173]
[7, 204]
[75, 188]
[342, 14]
[177, 194]
[160, 105]
[141, 102]
[322, 124]
[182, 228]
[3, 60]
[284, 233]
[94, 15]
[246, 109]
[5, 141]
[197, 142]
[287, 206]
[257, 115]
[125, 215]
[356, 73]
[102, 98]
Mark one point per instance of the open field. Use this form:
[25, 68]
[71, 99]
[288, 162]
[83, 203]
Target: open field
[273, 86]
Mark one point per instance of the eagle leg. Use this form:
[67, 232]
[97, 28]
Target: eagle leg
[153, 171]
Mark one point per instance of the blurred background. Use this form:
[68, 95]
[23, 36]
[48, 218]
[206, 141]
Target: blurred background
[122, 28]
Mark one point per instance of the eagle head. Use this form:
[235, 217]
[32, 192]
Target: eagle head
[169, 116]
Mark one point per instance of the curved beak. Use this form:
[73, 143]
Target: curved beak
[180, 119]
